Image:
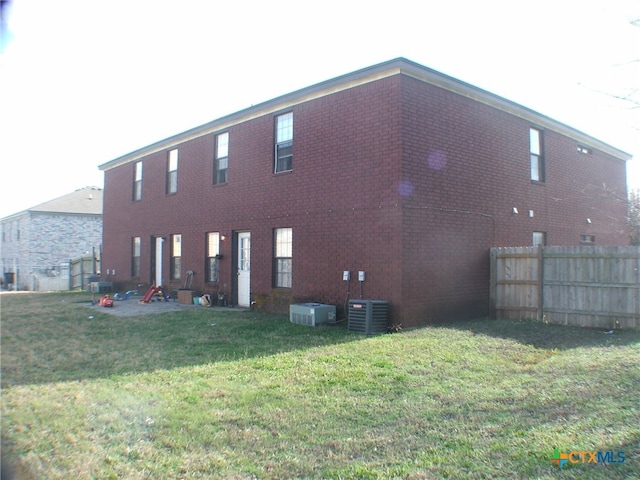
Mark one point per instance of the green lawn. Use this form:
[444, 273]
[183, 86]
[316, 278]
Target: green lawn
[207, 394]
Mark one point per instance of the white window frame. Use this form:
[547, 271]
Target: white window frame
[539, 238]
[221, 164]
[284, 143]
[176, 256]
[137, 181]
[283, 258]
[535, 155]
[172, 171]
[136, 248]
[213, 256]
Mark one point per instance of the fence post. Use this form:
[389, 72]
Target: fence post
[637, 312]
[540, 313]
[493, 265]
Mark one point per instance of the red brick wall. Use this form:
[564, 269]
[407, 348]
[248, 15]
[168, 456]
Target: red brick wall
[340, 200]
[408, 182]
[466, 165]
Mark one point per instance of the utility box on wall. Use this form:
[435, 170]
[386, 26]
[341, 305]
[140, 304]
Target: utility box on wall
[368, 316]
[312, 314]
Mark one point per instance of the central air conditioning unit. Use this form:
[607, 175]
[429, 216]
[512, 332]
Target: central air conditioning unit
[368, 316]
[312, 314]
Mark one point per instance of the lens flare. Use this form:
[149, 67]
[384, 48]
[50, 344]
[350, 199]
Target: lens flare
[437, 160]
[405, 188]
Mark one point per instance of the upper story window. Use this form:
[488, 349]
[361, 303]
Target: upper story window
[172, 171]
[283, 257]
[537, 159]
[137, 181]
[7, 232]
[221, 163]
[284, 142]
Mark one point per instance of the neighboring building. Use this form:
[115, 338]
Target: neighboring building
[37, 241]
[395, 170]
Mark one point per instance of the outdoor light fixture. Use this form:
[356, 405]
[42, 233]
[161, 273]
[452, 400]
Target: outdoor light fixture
[588, 221]
[531, 214]
[514, 210]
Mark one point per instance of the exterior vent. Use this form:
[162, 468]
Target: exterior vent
[368, 316]
[312, 314]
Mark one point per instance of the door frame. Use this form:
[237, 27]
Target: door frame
[235, 270]
[157, 258]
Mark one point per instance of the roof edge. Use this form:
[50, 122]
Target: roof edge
[454, 85]
[365, 75]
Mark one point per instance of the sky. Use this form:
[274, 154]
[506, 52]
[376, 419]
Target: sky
[85, 81]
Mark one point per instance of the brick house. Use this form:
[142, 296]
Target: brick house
[36, 241]
[395, 170]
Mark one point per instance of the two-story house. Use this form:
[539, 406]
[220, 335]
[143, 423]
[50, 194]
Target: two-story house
[395, 170]
[36, 241]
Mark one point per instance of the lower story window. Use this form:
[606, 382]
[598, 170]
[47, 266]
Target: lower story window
[283, 257]
[176, 256]
[213, 254]
[539, 238]
[135, 257]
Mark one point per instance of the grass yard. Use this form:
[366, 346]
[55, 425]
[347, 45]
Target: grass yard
[207, 394]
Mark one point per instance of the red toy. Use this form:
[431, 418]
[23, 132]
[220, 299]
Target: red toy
[153, 290]
[106, 301]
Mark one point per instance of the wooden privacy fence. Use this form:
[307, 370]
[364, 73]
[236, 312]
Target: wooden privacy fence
[586, 286]
[50, 279]
[81, 268]
[74, 274]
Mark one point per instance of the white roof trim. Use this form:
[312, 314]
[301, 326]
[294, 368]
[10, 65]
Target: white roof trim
[361, 77]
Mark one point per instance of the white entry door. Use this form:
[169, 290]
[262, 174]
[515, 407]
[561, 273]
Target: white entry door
[244, 269]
